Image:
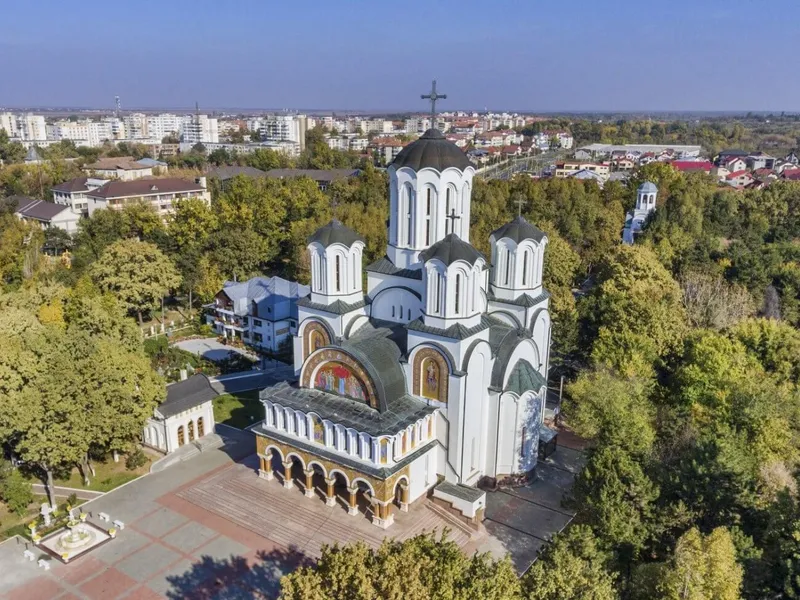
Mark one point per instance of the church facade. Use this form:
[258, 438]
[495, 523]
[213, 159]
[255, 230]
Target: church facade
[434, 378]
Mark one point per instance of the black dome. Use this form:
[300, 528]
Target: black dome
[431, 151]
[519, 229]
[450, 249]
[335, 233]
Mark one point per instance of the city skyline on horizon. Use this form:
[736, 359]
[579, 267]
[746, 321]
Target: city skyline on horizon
[551, 59]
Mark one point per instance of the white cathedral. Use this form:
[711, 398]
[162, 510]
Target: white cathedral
[434, 379]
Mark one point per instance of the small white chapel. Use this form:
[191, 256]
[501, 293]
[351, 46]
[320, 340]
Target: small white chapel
[433, 379]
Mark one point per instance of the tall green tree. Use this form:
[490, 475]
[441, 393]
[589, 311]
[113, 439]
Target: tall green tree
[137, 273]
[419, 568]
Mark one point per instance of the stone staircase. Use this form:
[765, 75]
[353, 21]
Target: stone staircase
[455, 523]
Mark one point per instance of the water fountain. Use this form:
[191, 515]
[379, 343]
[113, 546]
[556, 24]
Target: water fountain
[77, 538]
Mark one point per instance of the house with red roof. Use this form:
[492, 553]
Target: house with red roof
[739, 179]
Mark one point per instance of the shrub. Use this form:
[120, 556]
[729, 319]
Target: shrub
[16, 492]
[135, 460]
[72, 499]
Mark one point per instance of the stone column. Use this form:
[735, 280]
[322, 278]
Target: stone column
[287, 475]
[330, 497]
[404, 497]
[309, 483]
[352, 508]
[382, 515]
[265, 470]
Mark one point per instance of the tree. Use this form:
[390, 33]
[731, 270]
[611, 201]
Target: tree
[702, 568]
[572, 567]
[192, 223]
[617, 499]
[711, 302]
[775, 344]
[15, 490]
[621, 417]
[419, 568]
[137, 273]
[10, 152]
[633, 316]
[209, 279]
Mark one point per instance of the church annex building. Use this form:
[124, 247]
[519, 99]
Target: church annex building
[435, 379]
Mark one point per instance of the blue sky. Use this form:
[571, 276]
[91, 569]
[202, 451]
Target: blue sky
[379, 55]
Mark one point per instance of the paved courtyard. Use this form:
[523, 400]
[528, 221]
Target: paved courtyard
[209, 528]
[211, 349]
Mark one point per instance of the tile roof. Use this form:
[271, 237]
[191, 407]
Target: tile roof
[124, 163]
[186, 394]
[144, 187]
[325, 175]
[40, 210]
[73, 185]
[224, 173]
[692, 165]
[404, 411]
[386, 267]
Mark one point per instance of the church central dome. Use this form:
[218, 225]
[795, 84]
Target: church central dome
[431, 151]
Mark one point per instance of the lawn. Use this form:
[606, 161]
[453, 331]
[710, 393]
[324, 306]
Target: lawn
[109, 474]
[238, 410]
[13, 524]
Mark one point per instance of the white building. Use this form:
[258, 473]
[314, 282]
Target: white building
[161, 194]
[185, 417]
[645, 205]
[261, 312]
[46, 214]
[72, 193]
[200, 129]
[437, 373]
[160, 126]
[26, 126]
[285, 128]
[124, 168]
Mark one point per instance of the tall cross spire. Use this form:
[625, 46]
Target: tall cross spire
[452, 218]
[433, 97]
[520, 201]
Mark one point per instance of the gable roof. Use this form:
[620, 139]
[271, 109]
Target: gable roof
[123, 163]
[144, 187]
[39, 209]
[73, 185]
[692, 165]
[324, 175]
[227, 172]
[186, 394]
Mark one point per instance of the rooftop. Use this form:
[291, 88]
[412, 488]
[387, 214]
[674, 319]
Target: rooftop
[335, 232]
[123, 163]
[323, 175]
[431, 151]
[145, 187]
[186, 394]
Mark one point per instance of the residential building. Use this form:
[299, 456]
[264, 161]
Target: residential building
[386, 149]
[135, 125]
[567, 168]
[261, 312]
[285, 128]
[418, 125]
[46, 214]
[323, 177]
[734, 163]
[739, 179]
[186, 416]
[760, 160]
[161, 194]
[165, 124]
[199, 129]
[729, 153]
[124, 168]
[72, 193]
[681, 151]
[24, 126]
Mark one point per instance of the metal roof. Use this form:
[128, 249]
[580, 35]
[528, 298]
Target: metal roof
[518, 230]
[187, 394]
[335, 232]
[450, 249]
[431, 151]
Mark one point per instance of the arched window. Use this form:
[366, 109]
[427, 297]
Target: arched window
[181, 439]
[393, 312]
[409, 213]
[428, 217]
[353, 260]
[508, 266]
[338, 273]
[458, 293]
[525, 267]
[201, 428]
[438, 308]
[447, 211]
[191, 431]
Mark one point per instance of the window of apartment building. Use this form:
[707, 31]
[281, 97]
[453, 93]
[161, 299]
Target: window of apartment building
[257, 322]
[292, 323]
[244, 321]
[269, 310]
[257, 337]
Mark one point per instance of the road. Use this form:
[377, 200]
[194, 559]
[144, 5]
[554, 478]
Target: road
[63, 492]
